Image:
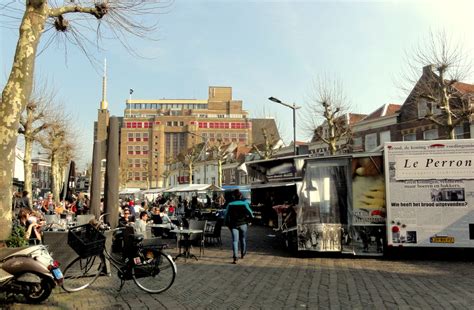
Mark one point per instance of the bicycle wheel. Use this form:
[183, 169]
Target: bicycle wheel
[156, 274]
[81, 273]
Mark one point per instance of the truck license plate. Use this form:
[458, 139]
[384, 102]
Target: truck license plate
[442, 240]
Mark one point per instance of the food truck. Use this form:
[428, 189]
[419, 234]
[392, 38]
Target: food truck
[411, 194]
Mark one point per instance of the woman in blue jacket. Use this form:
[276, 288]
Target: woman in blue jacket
[237, 217]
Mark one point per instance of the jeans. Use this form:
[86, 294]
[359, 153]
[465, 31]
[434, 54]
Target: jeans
[239, 233]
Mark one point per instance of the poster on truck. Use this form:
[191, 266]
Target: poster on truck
[430, 193]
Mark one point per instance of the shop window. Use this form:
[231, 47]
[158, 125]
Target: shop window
[409, 137]
[370, 142]
[431, 134]
[459, 132]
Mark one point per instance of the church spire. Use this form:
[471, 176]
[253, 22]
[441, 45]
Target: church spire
[103, 103]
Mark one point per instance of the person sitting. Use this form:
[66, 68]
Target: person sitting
[140, 224]
[126, 218]
[31, 225]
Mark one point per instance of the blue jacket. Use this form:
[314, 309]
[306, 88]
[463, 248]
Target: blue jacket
[237, 213]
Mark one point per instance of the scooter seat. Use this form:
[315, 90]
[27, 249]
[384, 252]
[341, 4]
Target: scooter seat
[5, 252]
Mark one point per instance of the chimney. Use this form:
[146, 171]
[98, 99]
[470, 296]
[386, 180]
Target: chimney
[428, 70]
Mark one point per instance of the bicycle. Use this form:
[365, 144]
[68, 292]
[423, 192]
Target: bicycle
[151, 269]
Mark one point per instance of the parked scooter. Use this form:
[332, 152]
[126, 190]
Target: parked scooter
[29, 271]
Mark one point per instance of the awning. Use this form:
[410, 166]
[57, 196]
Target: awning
[193, 188]
[128, 191]
[276, 184]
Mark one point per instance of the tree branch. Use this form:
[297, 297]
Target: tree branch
[98, 11]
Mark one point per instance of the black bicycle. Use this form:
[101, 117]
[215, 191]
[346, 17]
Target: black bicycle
[148, 266]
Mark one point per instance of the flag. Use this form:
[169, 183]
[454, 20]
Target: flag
[131, 91]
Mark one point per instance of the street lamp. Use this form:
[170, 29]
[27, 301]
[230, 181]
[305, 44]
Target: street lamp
[294, 108]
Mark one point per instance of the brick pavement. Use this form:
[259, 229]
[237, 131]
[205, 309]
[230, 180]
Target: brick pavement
[269, 278]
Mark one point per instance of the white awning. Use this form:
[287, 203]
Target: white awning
[193, 188]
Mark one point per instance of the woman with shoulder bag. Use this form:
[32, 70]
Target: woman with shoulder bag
[237, 216]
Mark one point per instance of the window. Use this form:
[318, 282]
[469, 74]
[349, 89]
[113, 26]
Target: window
[145, 136]
[370, 142]
[139, 124]
[130, 150]
[130, 136]
[181, 123]
[422, 109]
[385, 137]
[137, 176]
[431, 134]
[145, 149]
[409, 137]
[357, 143]
[169, 123]
[144, 176]
[459, 132]
[425, 108]
[137, 150]
[130, 163]
[138, 136]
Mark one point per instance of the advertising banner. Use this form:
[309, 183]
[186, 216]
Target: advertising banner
[430, 193]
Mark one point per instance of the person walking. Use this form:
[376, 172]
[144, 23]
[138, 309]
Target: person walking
[237, 216]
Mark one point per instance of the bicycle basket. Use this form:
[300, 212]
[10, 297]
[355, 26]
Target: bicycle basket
[86, 240]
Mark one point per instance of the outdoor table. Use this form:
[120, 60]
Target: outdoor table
[186, 233]
[159, 225]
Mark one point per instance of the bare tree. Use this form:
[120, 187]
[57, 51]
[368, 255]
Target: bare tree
[446, 100]
[326, 117]
[32, 122]
[190, 157]
[71, 22]
[220, 151]
[58, 143]
[270, 146]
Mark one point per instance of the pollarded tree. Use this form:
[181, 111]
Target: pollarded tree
[445, 100]
[72, 21]
[32, 122]
[57, 142]
[270, 146]
[189, 157]
[327, 109]
[220, 151]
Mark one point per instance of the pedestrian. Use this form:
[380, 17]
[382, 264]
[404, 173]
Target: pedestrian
[237, 216]
[25, 201]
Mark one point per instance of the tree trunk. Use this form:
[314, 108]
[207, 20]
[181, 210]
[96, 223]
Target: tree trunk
[190, 173]
[28, 168]
[15, 96]
[55, 175]
[219, 172]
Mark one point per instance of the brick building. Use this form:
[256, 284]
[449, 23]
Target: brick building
[154, 132]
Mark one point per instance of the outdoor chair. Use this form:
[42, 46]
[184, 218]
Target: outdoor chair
[197, 238]
[213, 234]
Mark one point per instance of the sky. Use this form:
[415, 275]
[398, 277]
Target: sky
[260, 49]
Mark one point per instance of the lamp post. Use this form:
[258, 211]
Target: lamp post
[294, 108]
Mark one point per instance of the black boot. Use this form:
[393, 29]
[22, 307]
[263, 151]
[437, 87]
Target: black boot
[242, 255]
[235, 260]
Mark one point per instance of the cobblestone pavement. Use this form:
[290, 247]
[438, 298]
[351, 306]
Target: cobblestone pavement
[269, 278]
